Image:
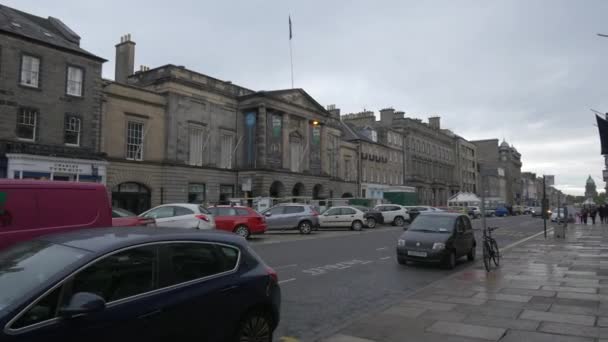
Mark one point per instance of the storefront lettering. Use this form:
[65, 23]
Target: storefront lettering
[67, 168]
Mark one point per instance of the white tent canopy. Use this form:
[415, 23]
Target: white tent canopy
[589, 201]
[464, 199]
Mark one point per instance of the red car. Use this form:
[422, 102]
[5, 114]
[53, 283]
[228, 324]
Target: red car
[243, 221]
[125, 218]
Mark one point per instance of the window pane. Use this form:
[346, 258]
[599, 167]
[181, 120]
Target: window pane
[189, 261]
[242, 212]
[213, 211]
[348, 211]
[231, 256]
[27, 121]
[226, 151]
[72, 130]
[42, 311]
[195, 141]
[180, 211]
[121, 275]
[293, 209]
[226, 211]
[30, 68]
[135, 140]
[334, 211]
[196, 193]
[75, 78]
[277, 210]
[162, 212]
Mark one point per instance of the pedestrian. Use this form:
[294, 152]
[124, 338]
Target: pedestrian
[584, 214]
[604, 213]
[593, 215]
[601, 212]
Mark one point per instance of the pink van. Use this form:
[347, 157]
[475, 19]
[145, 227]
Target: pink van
[32, 208]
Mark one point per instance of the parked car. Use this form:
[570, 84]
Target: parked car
[474, 212]
[537, 212]
[417, 210]
[181, 215]
[243, 221]
[395, 214]
[372, 216]
[501, 212]
[437, 238]
[490, 212]
[125, 218]
[554, 215]
[138, 284]
[528, 210]
[343, 216]
[302, 217]
[32, 208]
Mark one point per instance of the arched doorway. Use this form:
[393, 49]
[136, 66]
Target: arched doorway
[347, 195]
[131, 196]
[276, 189]
[317, 191]
[298, 190]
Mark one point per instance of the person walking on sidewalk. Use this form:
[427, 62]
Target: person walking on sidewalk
[584, 214]
[600, 213]
[604, 213]
[593, 215]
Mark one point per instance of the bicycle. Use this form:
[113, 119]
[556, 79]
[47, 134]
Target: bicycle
[490, 249]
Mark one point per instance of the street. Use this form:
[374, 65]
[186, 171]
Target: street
[332, 277]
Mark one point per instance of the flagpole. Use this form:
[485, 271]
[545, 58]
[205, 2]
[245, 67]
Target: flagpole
[290, 53]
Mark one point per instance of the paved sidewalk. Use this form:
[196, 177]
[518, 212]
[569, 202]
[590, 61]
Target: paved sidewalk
[544, 291]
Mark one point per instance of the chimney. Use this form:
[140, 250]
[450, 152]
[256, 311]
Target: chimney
[399, 115]
[435, 122]
[335, 112]
[125, 59]
[386, 116]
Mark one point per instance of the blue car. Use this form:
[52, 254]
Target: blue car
[501, 212]
[137, 284]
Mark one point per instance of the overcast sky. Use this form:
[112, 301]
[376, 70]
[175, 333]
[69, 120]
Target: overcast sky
[526, 71]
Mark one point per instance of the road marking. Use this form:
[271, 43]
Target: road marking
[381, 248]
[288, 339]
[549, 230]
[316, 271]
[366, 262]
[385, 258]
[286, 280]
[284, 266]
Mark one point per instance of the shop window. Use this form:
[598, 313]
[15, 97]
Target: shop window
[196, 193]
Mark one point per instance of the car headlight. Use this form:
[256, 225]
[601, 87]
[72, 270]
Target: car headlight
[438, 246]
[401, 243]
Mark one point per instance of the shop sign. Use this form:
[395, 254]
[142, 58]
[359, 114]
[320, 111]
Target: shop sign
[65, 168]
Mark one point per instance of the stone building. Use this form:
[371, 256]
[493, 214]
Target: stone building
[204, 140]
[530, 196]
[467, 168]
[49, 101]
[493, 156]
[381, 158]
[590, 188]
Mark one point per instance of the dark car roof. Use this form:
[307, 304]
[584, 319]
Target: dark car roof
[103, 240]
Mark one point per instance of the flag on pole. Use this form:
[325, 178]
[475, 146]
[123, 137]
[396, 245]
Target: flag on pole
[602, 126]
[290, 34]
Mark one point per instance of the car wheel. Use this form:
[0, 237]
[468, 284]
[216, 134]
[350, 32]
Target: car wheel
[305, 227]
[255, 327]
[471, 254]
[399, 221]
[357, 226]
[242, 231]
[371, 222]
[451, 261]
[401, 260]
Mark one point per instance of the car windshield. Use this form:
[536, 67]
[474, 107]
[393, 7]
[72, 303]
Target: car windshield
[118, 212]
[29, 265]
[433, 224]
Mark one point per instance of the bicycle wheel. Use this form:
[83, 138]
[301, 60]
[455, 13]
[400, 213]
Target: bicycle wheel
[486, 256]
[495, 253]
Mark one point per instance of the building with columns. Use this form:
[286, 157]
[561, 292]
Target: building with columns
[204, 140]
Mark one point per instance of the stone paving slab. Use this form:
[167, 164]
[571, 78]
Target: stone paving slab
[467, 330]
[527, 336]
[572, 329]
[502, 322]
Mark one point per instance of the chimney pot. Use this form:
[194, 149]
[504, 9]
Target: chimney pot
[125, 59]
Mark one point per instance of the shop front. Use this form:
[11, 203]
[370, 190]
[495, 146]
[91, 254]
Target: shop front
[29, 166]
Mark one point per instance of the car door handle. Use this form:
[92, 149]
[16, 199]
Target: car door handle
[229, 288]
[150, 314]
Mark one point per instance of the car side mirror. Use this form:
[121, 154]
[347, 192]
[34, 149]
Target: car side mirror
[268, 214]
[82, 303]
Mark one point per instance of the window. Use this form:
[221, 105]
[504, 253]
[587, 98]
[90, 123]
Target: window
[226, 192]
[347, 211]
[195, 142]
[162, 212]
[42, 311]
[294, 209]
[226, 212]
[347, 170]
[30, 71]
[181, 211]
[333, 211]
[72, 130]
[190, 261]
[364, 174]
[295, 149]
[75, 80]
[277, 210]
[226, 151]
[242, 212]
[121, 275]
[135, 140]
[27, 124]
[196, 193]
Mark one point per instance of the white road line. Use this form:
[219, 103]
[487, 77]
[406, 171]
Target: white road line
[385, 258]
[549, 230]
[284, 266]
[286, 280]
[381, 248]
[366, 262]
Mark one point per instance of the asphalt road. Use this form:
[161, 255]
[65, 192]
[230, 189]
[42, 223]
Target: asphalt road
[331, 277]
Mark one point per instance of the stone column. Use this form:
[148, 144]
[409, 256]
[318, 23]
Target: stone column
[261, 133]
[286, 149]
